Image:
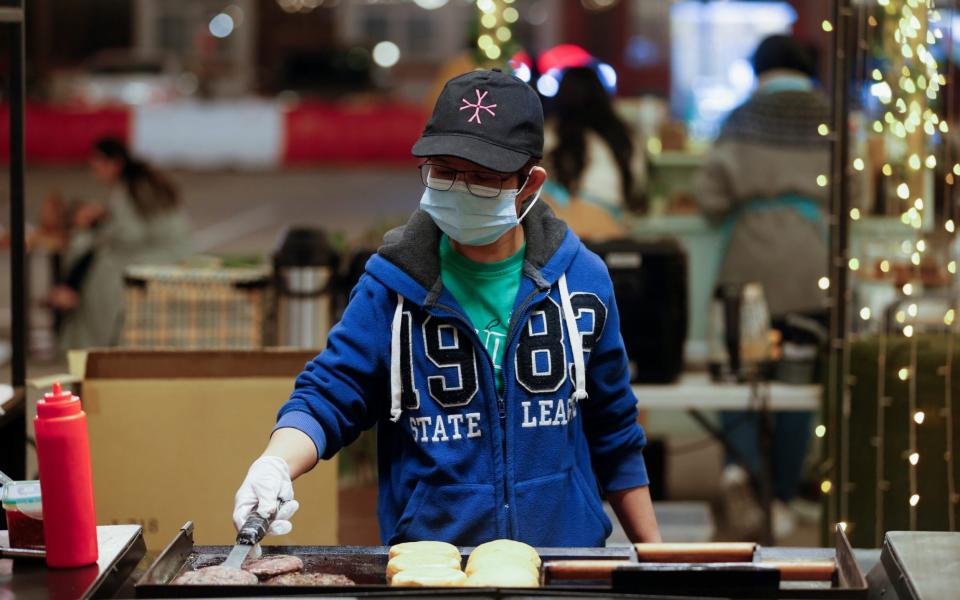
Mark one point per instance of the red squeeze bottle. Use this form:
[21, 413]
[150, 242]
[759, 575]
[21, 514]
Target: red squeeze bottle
[66, 481]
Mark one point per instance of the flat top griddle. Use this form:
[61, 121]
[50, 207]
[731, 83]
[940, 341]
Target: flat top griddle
[366, 566]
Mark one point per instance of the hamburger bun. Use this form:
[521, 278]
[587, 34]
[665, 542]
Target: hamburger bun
[405, 562]
[429, 576]
[506, 576]
[505, 548]
[424, 548]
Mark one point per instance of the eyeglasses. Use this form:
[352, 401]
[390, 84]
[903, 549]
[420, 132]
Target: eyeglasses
[484, 184]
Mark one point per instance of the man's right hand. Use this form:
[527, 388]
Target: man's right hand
[267, 483]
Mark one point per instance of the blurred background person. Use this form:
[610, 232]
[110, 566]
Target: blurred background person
[759, 184]
[140, 222]
[598, 174]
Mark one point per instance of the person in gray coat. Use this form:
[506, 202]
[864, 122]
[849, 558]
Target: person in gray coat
[764, 184]
[141, 222]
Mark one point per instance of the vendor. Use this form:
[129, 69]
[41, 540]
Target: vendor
[484, 341]
[599, 174]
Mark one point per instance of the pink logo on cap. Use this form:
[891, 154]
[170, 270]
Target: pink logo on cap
[477, 107]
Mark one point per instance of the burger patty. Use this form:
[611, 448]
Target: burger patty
[217, 575]
[309, 579]
[275, 564]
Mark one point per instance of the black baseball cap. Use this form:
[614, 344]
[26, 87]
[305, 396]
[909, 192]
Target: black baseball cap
[487, 117]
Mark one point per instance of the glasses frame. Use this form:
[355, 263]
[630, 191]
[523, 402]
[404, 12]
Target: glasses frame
[461, 174]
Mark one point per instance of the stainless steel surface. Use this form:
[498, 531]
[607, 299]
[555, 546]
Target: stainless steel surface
[850, 573]
[21, 553]
[251, 533]
[917, 565]
[237, 556]
[121, 548]
[304, 307]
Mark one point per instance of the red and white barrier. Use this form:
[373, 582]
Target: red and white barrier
[63, 135]
[249, 134]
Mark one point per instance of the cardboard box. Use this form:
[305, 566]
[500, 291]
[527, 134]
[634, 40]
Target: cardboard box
[172, 434]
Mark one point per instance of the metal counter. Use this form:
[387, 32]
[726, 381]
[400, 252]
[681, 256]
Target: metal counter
[121, 549]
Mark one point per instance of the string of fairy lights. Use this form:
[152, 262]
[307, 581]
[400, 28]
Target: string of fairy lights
[496, 21]
[908, 88]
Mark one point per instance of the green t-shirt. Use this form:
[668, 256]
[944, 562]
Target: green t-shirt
[487, 292]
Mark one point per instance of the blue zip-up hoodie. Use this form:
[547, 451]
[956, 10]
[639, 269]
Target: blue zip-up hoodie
[457, 461]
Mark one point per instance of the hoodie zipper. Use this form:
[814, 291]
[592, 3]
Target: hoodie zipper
[501, 410]
[501, 400]
[516, 318]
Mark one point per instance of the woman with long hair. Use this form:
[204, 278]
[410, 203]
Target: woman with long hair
[590, 149]
[140, 223]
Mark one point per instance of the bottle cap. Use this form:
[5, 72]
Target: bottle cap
[58, 403]
[57, 394]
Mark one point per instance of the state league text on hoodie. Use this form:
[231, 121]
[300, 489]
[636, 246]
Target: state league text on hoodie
[458, 462]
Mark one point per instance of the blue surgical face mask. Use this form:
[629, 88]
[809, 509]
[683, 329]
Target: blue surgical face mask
[471, 220]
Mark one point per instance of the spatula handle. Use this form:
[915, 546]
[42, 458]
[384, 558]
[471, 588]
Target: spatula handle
[253, 530]
[256, 526]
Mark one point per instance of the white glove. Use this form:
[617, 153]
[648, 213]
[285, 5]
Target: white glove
[267, 483]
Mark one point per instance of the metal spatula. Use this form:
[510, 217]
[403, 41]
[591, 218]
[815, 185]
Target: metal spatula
[253, 530]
